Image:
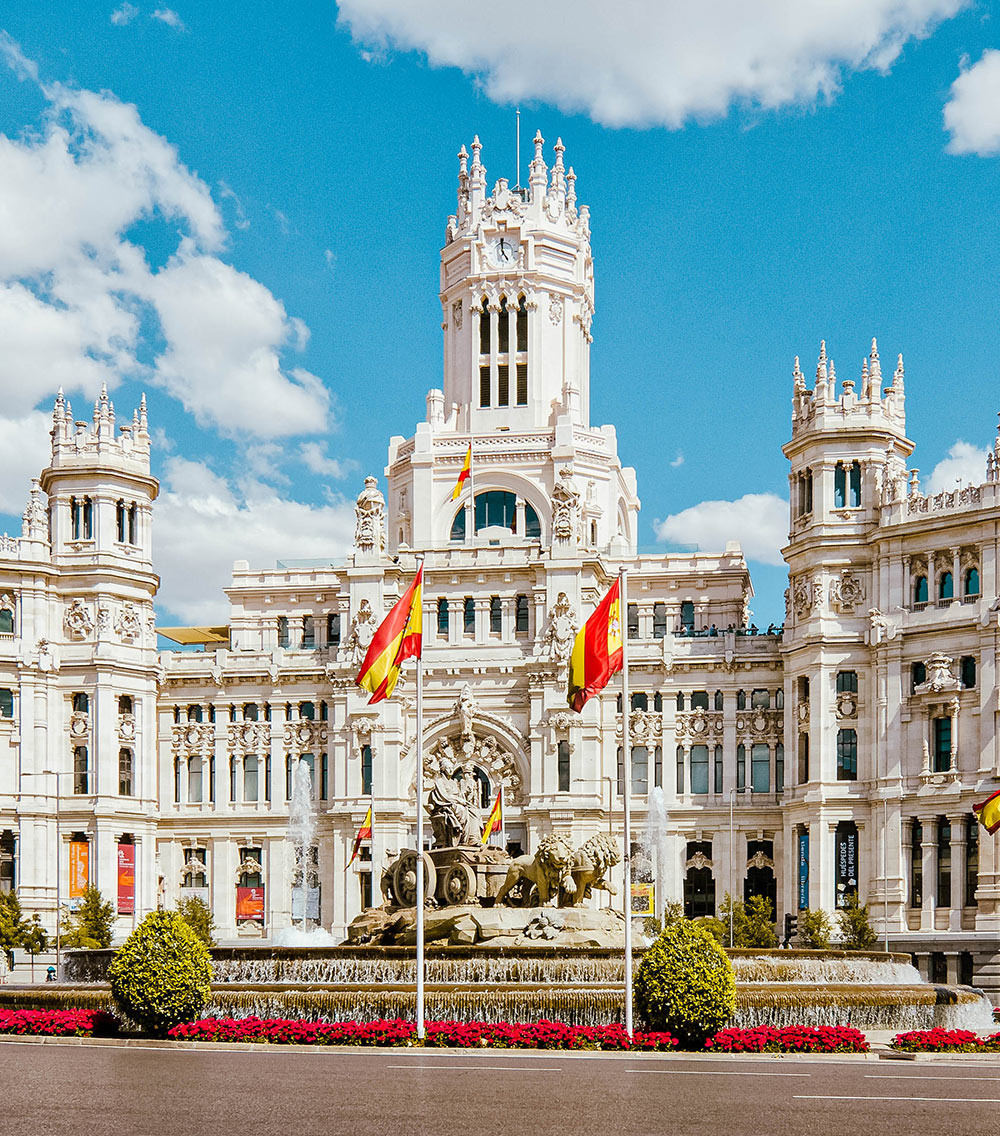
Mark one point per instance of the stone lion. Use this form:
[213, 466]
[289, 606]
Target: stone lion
[590, 863]
[549, 870]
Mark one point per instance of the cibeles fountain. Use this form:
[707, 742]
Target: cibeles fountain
[476, 894]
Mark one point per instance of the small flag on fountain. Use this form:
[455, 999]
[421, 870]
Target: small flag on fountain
[397, 639]
[494, 822]
[364, 833]
[988, 812]
[597, 650]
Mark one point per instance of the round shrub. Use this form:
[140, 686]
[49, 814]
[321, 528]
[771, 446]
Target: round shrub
[685, 984]
[162, 973]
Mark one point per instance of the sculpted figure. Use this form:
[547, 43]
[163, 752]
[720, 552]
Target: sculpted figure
[453, 802]
[590, 864]
[362, 632]
[565, 504]
[561, 631]
[548, 870]
[368, 512]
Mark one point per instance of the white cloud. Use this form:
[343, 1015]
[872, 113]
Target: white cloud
[965, 463]
[652, 62]
[678, 461]
[25, 446]
[227, 193]
[80, 305]
[124, 14]
[201, 520]
[759, 521]
[314, 457]
[972, 114]
[169, 17]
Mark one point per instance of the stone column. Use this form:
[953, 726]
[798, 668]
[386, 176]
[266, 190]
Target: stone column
[928, 854]
[519, 518]
[931, 581]
[907, 588]
[957, 871]
[953, 711]
[956, 575]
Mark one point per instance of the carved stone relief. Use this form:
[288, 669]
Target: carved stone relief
[848, 592]
[78, 620]
[369, 513]
[560, 631]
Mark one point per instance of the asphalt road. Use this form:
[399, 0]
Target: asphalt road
[98, 1090]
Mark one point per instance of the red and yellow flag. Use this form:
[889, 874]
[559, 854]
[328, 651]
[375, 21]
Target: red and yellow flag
[364, 833]
[597, 650]
[463, 475]
[494, 822]
[397, 639]
[988, 812]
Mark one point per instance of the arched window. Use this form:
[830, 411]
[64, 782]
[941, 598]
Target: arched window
[484, 328]
[968, 671]
[946, 586]
[719, 703]
[194, 713]
[687, 616]
[680, 700]
[496, 507]
[250, 712]
[639, 700]
[6, 622]
[532, 526]
[81, 703]
[458, 525]
[121, 528]
[847, 755]
[125, 704]
[503, 348]
[657, 702]
[6, 703]
[125, 772]
[920, 590]
[918, 676]
[485, 790]
[307, 711]
[971, 583]
[521, 393]
[133, 523]
[839, 486]
[741, 700]
[855, 497]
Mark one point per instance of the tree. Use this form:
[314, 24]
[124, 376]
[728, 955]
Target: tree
[90, 925]
[856, 932]
[35, 940]
[815, 929]
[13, 925]
[753, 922]
[685, 984]
[732, 912]
[198, 916]
[162, 973]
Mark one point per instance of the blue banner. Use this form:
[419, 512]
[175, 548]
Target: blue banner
[803, 870]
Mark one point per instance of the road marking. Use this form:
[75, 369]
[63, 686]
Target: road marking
[716, 1073]
[899, 1100]
[448, 1067]
[911, 1077]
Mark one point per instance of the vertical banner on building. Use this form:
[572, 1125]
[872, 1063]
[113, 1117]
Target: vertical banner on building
[250, 904]
[79, 867]
[804, 870]
[847, 861]
[126, 879]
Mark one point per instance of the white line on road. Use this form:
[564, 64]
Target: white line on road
[900, 1100]
[448, 1067]
[911, 1077]
[716, 1073]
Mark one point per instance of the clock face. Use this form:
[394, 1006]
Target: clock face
[503, 251]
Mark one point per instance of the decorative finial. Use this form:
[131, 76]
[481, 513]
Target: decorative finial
[560, 149]
[539, 143]
[897, 378]
[571, 189]
[463, 159]
[798, 379]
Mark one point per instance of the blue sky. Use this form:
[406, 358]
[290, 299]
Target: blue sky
[238, 208]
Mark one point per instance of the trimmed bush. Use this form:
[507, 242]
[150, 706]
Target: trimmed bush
[162, 974]
[685, 984]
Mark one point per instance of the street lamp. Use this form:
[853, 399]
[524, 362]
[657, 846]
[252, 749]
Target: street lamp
[57, 776]
[732, 862]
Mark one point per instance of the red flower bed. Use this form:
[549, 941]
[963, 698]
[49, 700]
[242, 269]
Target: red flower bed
[58, 1023]
[789, 1039]
[462, 1035]
[945, 1041]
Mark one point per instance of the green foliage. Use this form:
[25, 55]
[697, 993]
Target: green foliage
[715, 927]
[673, 912]
[815, 929]
[198, 916]
[753, 922]
[35, 938]
[90, 925]
[162, 974]
[13, 925]
[855, 930]
[685, 984]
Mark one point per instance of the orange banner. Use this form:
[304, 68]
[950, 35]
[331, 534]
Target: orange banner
[79, 867]
[249, 904]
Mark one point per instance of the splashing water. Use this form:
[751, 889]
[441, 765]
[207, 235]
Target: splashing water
[301, 836]
[657, 843]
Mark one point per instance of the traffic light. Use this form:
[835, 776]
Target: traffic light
[791, 927]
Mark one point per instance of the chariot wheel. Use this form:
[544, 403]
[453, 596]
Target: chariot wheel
[404, 879]
[458, 885]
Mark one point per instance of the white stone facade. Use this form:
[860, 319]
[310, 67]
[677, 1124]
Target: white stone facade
[719, 713]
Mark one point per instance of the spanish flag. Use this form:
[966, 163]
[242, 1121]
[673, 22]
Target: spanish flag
[597, 650]
[988, 812]
[463, 475]
[495, 821]
[364, 833]
[397, 638]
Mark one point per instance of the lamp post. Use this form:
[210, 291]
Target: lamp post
[57, 776]
[732, 863]
[885, 871]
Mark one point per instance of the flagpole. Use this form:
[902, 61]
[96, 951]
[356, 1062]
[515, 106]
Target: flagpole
[626, 796]
[420, 834]
[503, 820]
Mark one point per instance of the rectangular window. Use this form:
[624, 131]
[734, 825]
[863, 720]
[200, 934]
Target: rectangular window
[718, 769]
[211, 780]
[333, 629]
[659, 621]
[503, 329]
[944, 863]
[195, 781]
[484, 386]
[699, 769]
[503, 385]
[916, 864]
[522, 326]
[741, 768]
[621, 773]
[484, 330]
[942, 745]
[640, 771]
[563, 765]
[308, 632]
[232, 779]
[288, 778]
[267, 778]
[803, 759]
[195, 868]
[633, 621]
[847, 682]
[680, 770]
[442, 616]
[251, 765]
[522, 384]
[177, 780]
[366, 770]
[521, 615]
[971, 861]
[324, 777]
[81, 770]
[283, 631]
[658, 767]
[760, 768]
[125, 772]
[496, 615]
[760, 700]
[469, 616]
[779, 768]
[847, 755]
[699, 699]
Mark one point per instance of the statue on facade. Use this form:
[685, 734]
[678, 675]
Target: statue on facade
[561, 630]
[369, 512]
[565, 507]
[363, 628]
[465, 711]
[35, 520]
[453, 800]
